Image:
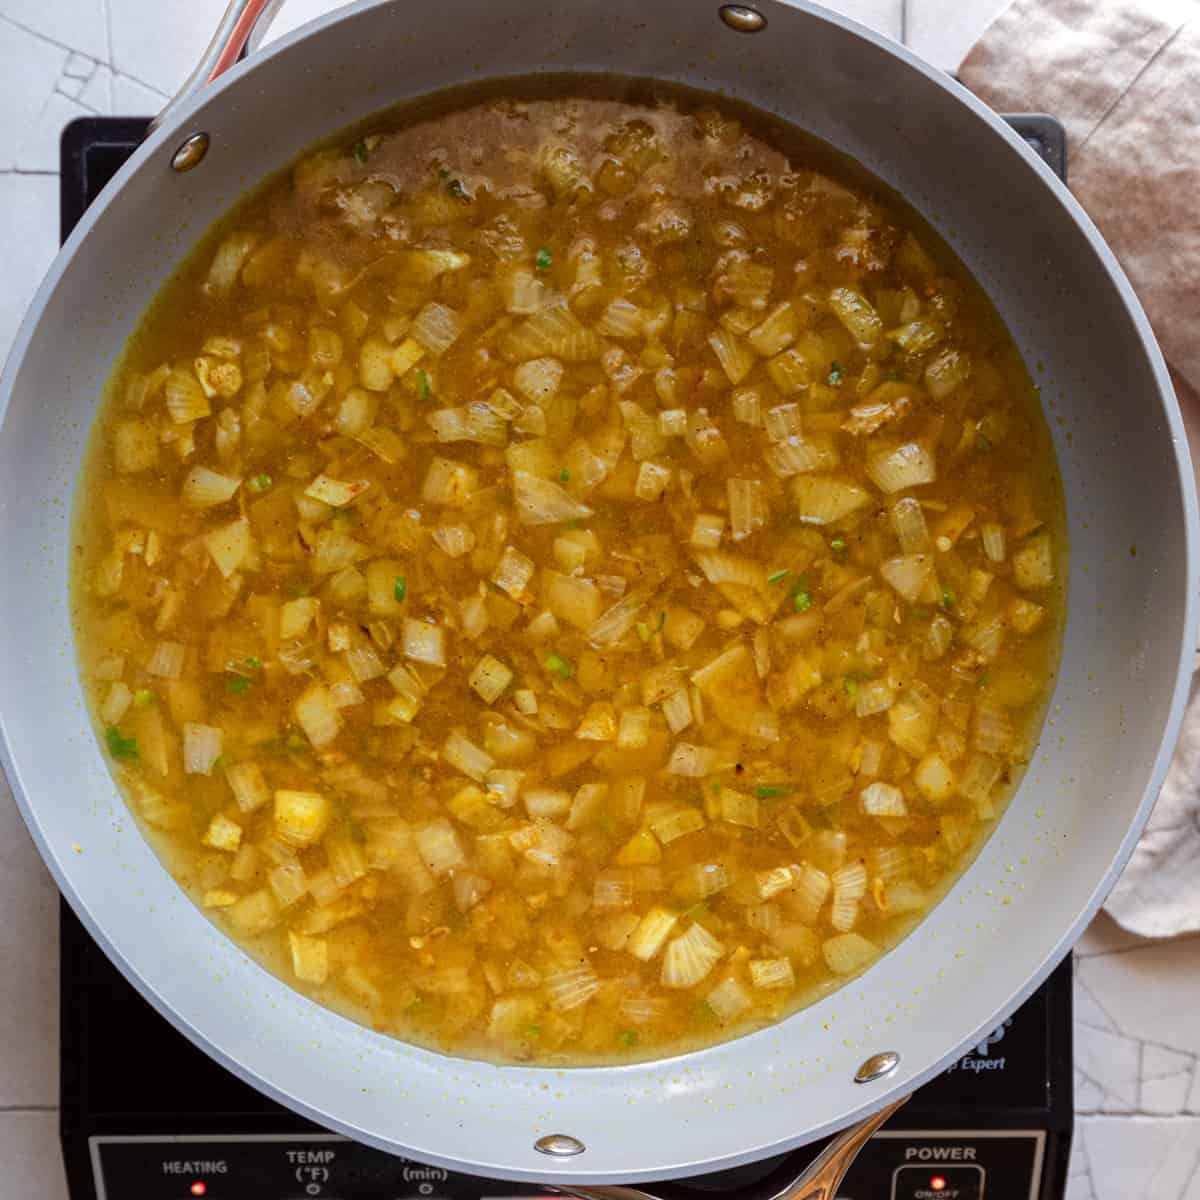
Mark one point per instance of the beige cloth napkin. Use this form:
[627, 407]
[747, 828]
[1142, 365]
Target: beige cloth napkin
[1123, 76]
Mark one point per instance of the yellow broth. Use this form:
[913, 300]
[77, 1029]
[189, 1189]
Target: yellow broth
[568, 579]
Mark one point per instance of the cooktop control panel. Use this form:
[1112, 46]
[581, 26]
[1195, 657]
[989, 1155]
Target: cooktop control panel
[900, 1165]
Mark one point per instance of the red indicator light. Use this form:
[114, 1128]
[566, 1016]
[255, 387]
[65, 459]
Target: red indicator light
[199, 1188]
[938, 1183]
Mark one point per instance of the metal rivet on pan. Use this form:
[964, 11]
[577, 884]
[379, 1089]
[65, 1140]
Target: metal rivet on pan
[191, 152]
[877, 1066]
[559, 1145]
[742, 18]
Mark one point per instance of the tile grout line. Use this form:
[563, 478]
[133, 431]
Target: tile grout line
[16, 1109]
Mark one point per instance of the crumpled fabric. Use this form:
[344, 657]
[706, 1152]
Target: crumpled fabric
[1123, 76]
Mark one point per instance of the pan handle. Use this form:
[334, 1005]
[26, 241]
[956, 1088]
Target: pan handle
[817, 1181]
[241, 28]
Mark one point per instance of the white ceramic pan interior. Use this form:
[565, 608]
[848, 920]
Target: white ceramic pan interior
[1116, 709]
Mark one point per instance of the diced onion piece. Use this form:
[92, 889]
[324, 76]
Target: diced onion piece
[766, 973]
[772, 882]
[651, 932]
[728, 1000]
[897, 468]
[873, 696]
[572, 988]
[228, 261]
[707, 529]
[424, 642]
[336, 492]
[295, 616]
[882, 801]
[449, 483]
[908, 519]
[204, 488]
[797, 455]
[513, 572]
[614, 623]
[1033, 563]
[599, 723]
[612, 892]
[992, 536]
[698, 881]
[248, 785]
[546, 804]
[993, 732]
[201, 747]
[782, 422]
[317, 715]
[454, 540]
[439, 847]
[747, 406]
[908, 574]
[310, 957]
[938, 638]
[538, 380]
[587, 805]
[672, 422]
[738, 808]
[462, 754]
[544, 502]
[857, 314]
[848, 952]
[363, 662]
[230, 545]
[436, 327]
[747, 507]
[810, 889]
[633, 729]
[185, 398]
[677, 709]
[576, 601]
[736, 358]
[690, 957]
[776, 331]
[116, 703]
[289, 883]
[167, 660]
[653, 480]
[704, 439]
[913, 719]
[948, 371]
[933, 778]
[979, 777]
[254, 914]
[301, 818]
[826, 499]
[222, 833]
[676, 823]
[489, 678]
[693, 762]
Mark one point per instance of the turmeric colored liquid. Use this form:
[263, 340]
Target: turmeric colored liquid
[566, 578]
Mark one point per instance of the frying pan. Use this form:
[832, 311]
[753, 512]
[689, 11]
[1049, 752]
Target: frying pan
[1118, 697]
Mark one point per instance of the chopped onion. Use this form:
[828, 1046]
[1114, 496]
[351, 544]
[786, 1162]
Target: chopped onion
[728, 1000]
[230, 545]
[913, 718]
[166, 661]
[546, 804]
[336, 492]
[572, 988]
[454, 540]
[908, 519]
[222, 833]
[633, 729]
[621, 319]
[295, 616]
[436, 327]
[614, 623]
[228, 261]
[424, 642]
[776, 331]
[204, 488]
[810, 889]
[653, 480]
[993, 541]
[933, 778]
[947, 372]
[651, 932]
[747, 507]
[317, 715]
[747, 406]
[693, 762]
[675, 823]
[827, 499]
[116, 703]
[897, 468]
[768, 973]
[690, 957]
[736, 358]
[599, 723]
[201, 747]
[739, 808]
[301, 818]
[449, 483]
[185, 397]
[848, 952]
[938, 639]
[857, 314]
[462, 754]
[544, 502]
[909, 574]
[439, 847]
[538, 380]
[248, 785]
[1033, 563]
[677, 710]
[489, 678]
[513, 572]
[707, 529]
[873, 696]
[993, 731]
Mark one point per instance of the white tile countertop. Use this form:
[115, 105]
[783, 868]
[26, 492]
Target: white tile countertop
[1137, 1003]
